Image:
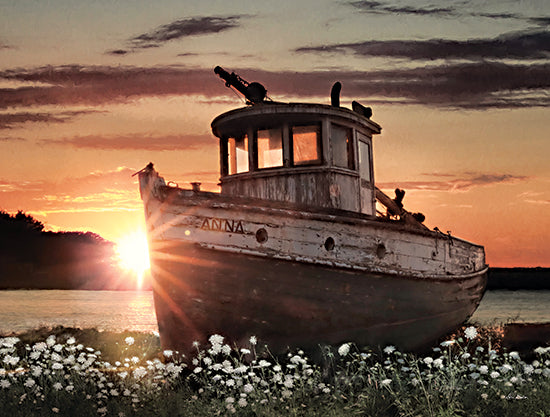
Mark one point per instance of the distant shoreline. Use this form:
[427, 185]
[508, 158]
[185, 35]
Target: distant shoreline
[519, 279]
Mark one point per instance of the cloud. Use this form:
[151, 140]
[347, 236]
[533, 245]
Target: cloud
[138, 141]
[537, 198]
[8, 120]
[473, 86]
[451, 182]
[519, 45]
[97, 191]
[183, 28]
[377, 7]
[478, 85]
[74, 84]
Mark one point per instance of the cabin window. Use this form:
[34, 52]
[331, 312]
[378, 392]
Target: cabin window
[238, 154]
[342, 146]
[306, 145]
[364, 161]
[270, 148]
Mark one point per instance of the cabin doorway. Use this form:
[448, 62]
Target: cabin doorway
[365, 174]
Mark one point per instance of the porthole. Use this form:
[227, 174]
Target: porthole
[380, 250]
[329, 243]
[261, 235]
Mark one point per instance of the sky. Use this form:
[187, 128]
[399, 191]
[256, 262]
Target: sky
[93, 90]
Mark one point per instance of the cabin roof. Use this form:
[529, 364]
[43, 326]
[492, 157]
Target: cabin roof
[275, 113]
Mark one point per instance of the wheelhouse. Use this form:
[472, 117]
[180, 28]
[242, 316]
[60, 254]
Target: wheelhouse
[308, 154]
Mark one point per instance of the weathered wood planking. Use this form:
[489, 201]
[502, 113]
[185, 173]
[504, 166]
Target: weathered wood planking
[357, 244]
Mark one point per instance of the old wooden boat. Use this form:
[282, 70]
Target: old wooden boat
[300, 248]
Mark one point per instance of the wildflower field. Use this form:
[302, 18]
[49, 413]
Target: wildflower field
[60, 374]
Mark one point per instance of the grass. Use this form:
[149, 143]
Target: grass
[68, 372]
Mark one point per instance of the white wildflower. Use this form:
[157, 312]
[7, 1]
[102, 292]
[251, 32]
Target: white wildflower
[385, 382]
[139, 372]
[9, 342]
[207, 361]
[241, 369]
[226, 349]
[216, 339]
[263, 363]
[55, 410]
[58, 386]
[197, 370]
[58, 348]
[230, 383]
[29, 383]
[483, 369]
[470, 332]
[528, 369]
[134, 359]
[36, 371]
[129, 340]
[167, 353]
[288, 382]
[40, 347]
[230, 400]
[71, 341]
[242, 402]
[389, 349]
[4, 383]
[541, 350]
[248, 388]
[57, 366]
[34, 355]
[447, 343]
[428, 360]
[465, 355]
[514, 379]
[484, 395]
[438, 363]
[245, 351]
[505, 368]
[344, 349]
[69, 388]
[296, 360]
[474, 375]
[11, 360]
[253, 340]
[50, 341]
[494, 374]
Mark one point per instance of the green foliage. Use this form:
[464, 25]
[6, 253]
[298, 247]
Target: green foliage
[57, 374]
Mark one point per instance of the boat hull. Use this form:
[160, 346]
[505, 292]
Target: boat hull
[284, 303]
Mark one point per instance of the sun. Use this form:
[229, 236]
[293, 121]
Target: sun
[133, 254]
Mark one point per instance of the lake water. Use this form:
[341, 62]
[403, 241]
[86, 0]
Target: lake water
[134, 310]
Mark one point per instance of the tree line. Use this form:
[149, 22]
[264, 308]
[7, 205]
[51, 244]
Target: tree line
[33, 258]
